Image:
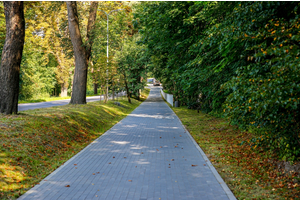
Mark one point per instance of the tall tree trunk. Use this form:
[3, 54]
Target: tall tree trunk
[127, 89]
[95, 88]
[90, 29]
[139, 93]
[106, 96]
[82, 52]
[80, 75]
[64, 90]
[11, 56]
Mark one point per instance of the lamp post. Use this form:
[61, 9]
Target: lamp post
[107, 16]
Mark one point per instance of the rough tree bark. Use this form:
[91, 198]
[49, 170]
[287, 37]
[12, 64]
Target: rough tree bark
[82, 51]
[95, 88]
[11, 56]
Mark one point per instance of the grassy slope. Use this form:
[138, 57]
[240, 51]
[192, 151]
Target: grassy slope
[35, 142]
[248, 172]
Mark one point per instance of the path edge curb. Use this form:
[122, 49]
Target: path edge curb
[228, 192]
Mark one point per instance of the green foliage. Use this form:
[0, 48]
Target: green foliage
[119, 26]
[241, 56]
[266, 91]
[37, 77]
[132, 64]
[47, 61]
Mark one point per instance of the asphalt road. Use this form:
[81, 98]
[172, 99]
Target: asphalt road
[30, 106]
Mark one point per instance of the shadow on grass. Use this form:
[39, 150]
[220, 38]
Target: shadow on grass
[37, 142]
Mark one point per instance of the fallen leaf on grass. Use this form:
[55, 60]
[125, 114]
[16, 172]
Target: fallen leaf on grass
[160, 146]
[175, 146]
[124, 157]
[98, 172]
[172, 159]
[113, 157]
[180, 135]
[159, 137]
[194, 165]
[67, 186]
[130, 180]
[93, 173]
[204, 164]
[157, 150]
[109, 163]
[75, 164]
[142, 153]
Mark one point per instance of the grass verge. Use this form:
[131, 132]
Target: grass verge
[248, 171]
[45, 99]
[36, 142]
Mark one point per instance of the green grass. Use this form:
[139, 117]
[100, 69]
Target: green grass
[45, 99]
[36, 142]
[248, 172]
[167, 91]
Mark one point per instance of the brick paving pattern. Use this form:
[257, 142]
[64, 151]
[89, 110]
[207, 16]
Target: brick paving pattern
[148, 155]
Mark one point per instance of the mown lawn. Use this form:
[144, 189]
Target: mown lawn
[36, 142]
[249, 172]
[45, 99]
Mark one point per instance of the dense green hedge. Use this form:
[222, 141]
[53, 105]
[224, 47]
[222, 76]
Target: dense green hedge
[235, 58]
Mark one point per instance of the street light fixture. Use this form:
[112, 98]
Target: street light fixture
[107, 16]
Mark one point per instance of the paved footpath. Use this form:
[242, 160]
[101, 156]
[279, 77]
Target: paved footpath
[148, 155]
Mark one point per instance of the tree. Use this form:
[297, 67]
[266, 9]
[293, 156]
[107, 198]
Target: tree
[82, 51]
[119, 23]
[57, 41]
[11, 57]
[47, 62]
[241, 58]
[132, 63]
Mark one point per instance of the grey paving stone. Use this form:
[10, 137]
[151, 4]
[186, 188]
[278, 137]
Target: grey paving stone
[150, 138]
